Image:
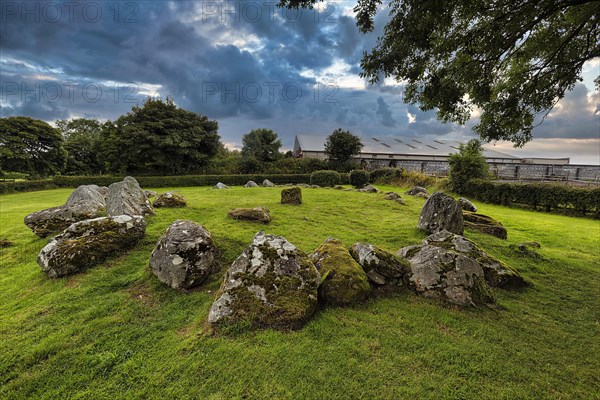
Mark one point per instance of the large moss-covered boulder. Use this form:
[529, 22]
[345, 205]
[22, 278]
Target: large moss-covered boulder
[90, 242]
[85, 202]
[496, 273]
[185, 255]
[258, 214]
[484, 224]
[170, 199]
[442, 274]
[127, 198]
[344, 280]
[291, 196]
[272, 284]
[441, 212]
[381, 267]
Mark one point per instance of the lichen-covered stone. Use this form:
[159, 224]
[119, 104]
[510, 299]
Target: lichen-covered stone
[466, 204]
[92, 197]
[441, 212]
[291, 196]
[127, 198]
[170, 199]
[258, 214]
[185, 255]
[85, 202]
[250, 184]
[150, 193]
[268, 183]
[496, 273]
[447, 276]
[484, 224]
[220, 185]
[381, 267]
[344, 280]
[369, 189]
[272, 284]
[422, 195]
[90, 242]
[417, 189]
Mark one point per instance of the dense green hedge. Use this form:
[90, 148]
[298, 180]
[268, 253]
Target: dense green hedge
[325, 178]
[359, 178]
[25, 186]
[549, 197]
[155, 181]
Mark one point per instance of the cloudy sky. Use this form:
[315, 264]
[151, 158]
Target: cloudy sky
[246, 64]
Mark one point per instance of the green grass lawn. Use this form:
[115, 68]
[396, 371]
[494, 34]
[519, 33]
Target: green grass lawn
[114, 331]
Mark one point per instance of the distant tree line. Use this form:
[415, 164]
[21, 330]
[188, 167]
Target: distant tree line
[156, 138]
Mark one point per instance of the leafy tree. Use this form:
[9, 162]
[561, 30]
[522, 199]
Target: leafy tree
[341, 146]
[511, 59]
[469, 163]
[262, 145]
[82, 140]
[31, 146]
[159, 137]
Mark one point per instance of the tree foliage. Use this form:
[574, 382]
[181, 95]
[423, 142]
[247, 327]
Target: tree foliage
[466, 165]
[341, 146]
[262, 145]
[82, 139]
[161, 138]
[32, 146]
[511, 59]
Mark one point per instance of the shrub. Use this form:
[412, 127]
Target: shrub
[416, 178]
[386, 175]
[469, 163]
[325, 178]
[359, 178]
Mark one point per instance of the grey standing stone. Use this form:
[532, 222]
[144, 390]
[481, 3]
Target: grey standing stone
[185, 255]
[127, 198]
[441, 212]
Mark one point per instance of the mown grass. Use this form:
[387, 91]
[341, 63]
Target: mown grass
[115, 332]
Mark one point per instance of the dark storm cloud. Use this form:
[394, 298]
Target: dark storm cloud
[384, 113]
[220, 60]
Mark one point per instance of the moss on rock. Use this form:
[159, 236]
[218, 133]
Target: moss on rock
[291, 196]
[257, 214]
[381, 267]
[345, 280]
[272, 284]
[88, 243]
[170, 199]
[484, 224]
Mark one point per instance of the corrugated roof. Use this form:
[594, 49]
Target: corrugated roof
[399, 145]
